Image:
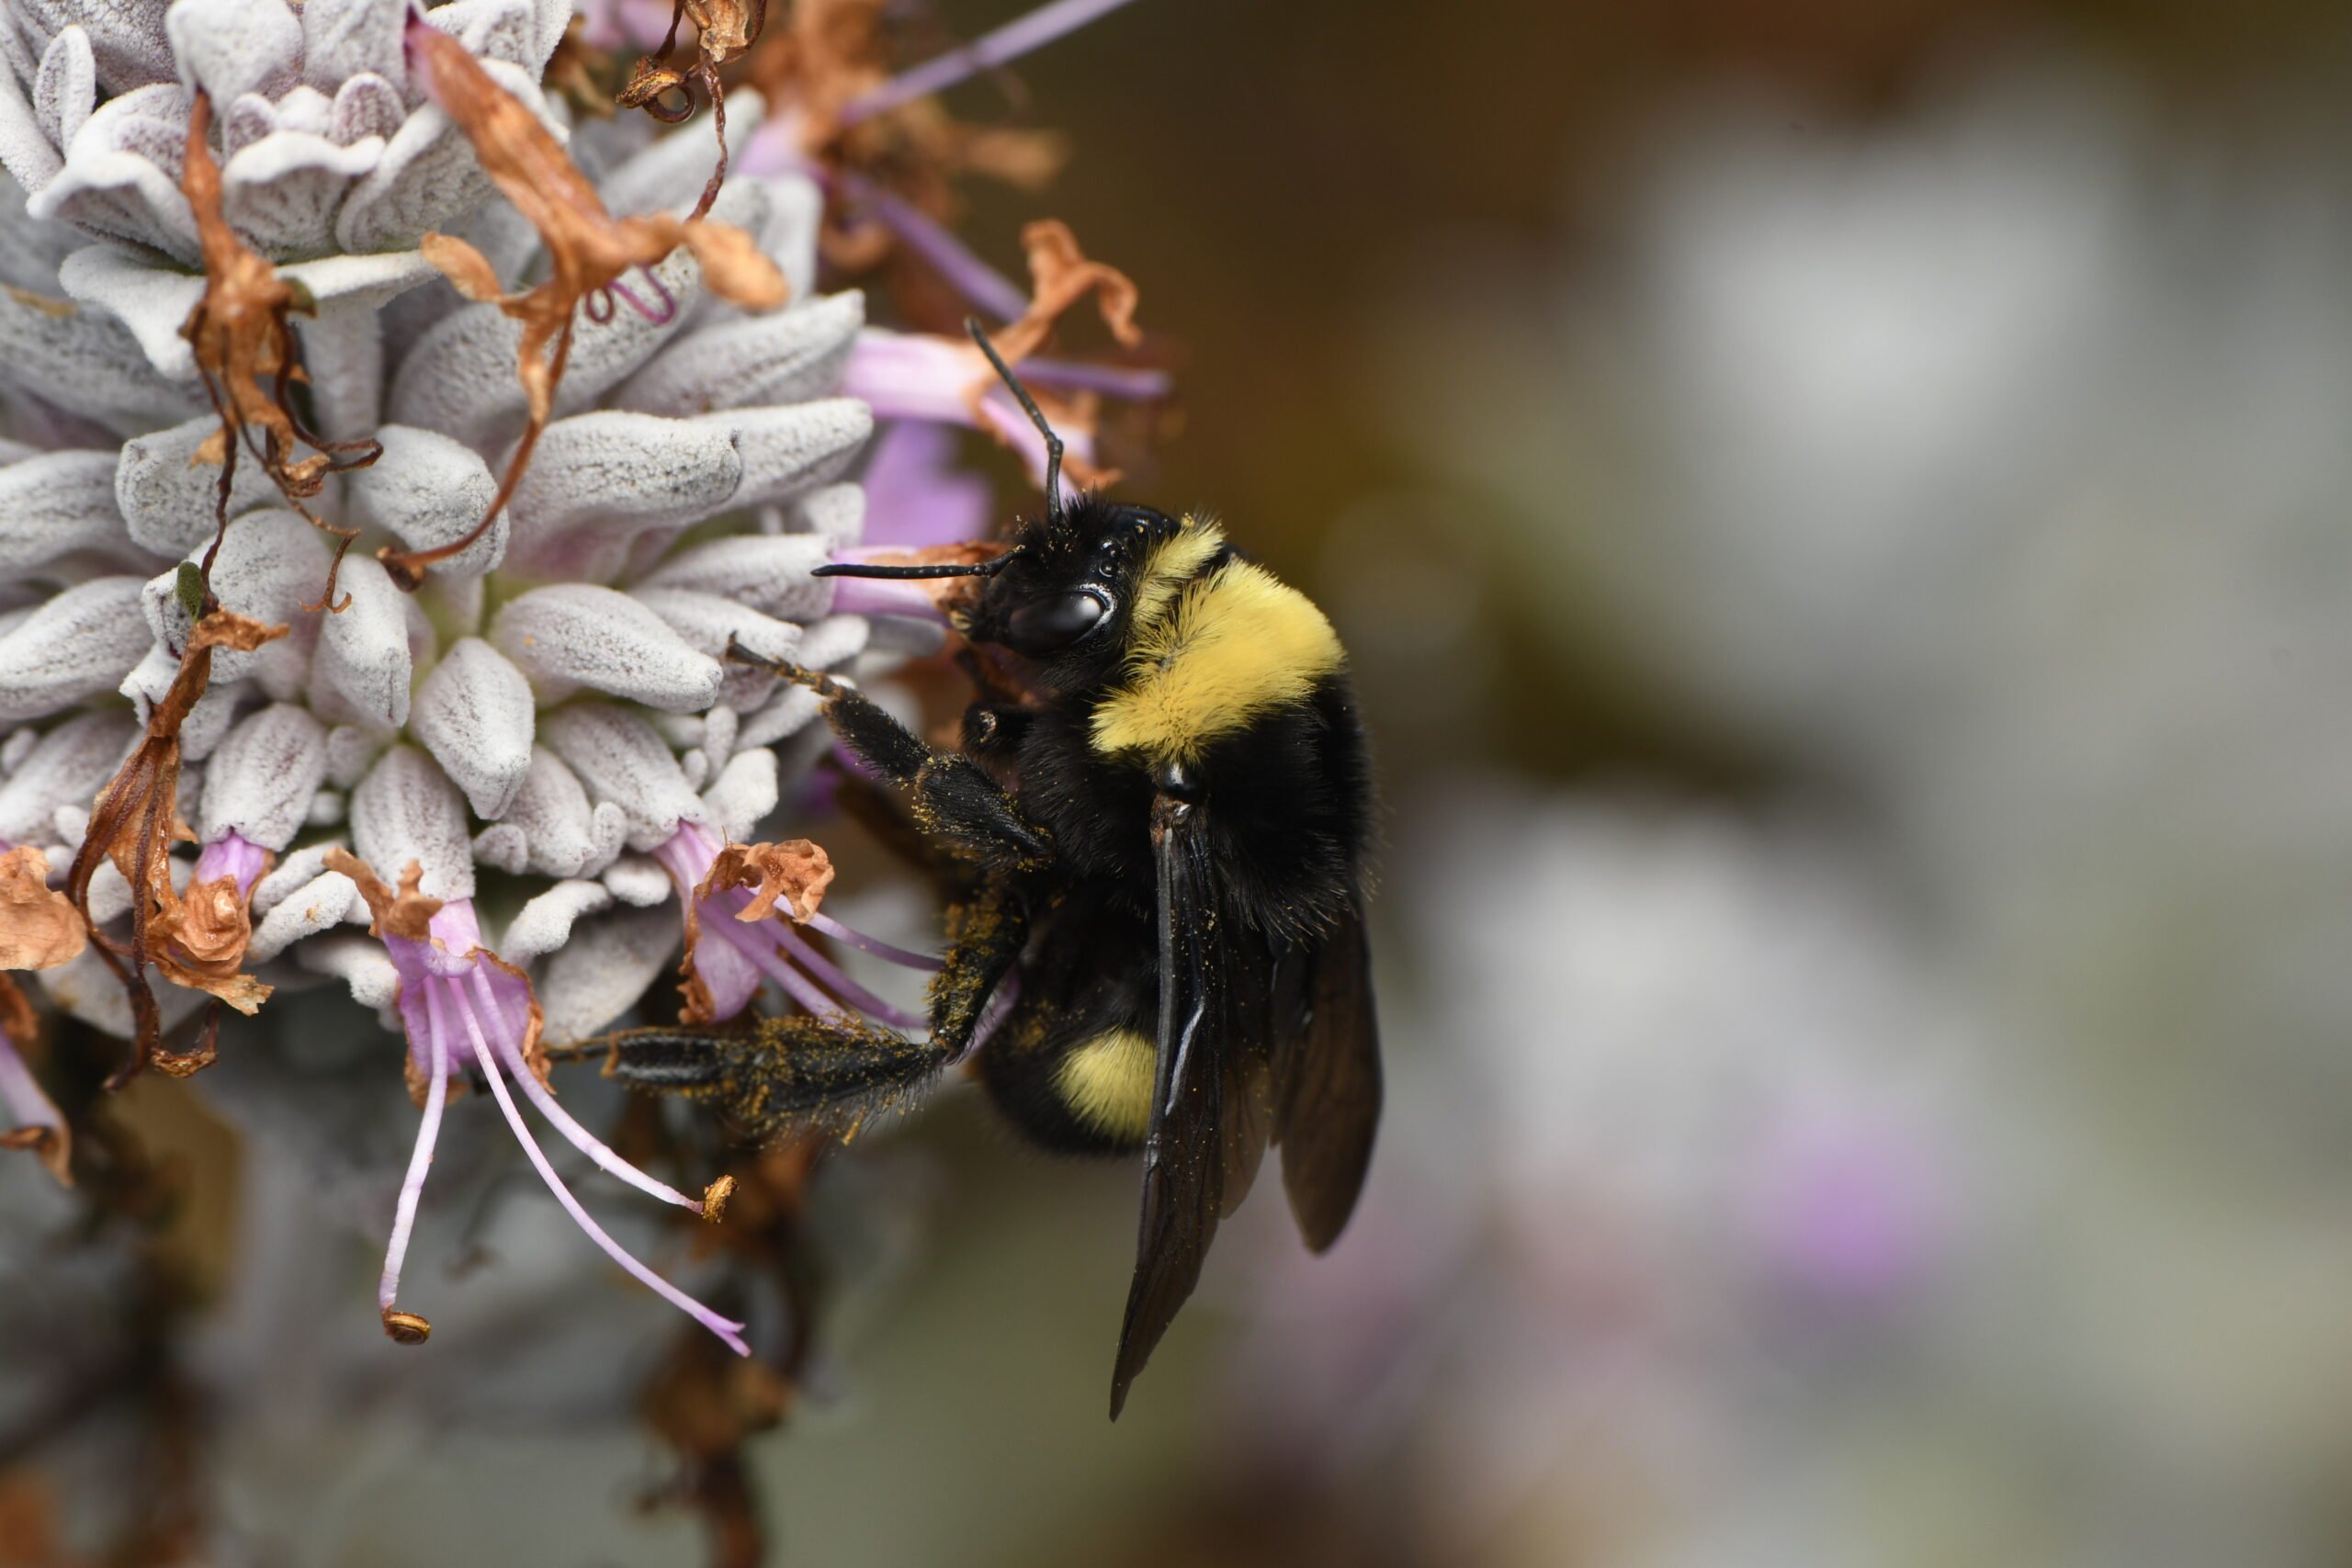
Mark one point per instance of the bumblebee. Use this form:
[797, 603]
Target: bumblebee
[1159, 820]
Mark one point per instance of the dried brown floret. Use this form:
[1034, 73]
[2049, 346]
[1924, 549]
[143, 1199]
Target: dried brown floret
[724, 32]
[243, 336]
[38, 927]
[405, 913]
[588, 251]
[798, 872]
[135, 820]
[201, 939]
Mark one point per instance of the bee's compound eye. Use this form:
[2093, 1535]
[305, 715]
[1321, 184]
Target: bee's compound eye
[1047, 626]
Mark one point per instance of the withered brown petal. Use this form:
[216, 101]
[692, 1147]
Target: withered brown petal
[40, 928]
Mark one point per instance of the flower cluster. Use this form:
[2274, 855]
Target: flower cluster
[547, 708]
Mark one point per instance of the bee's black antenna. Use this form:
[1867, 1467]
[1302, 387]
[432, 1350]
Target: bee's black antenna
[988, 568]
[1028, 406]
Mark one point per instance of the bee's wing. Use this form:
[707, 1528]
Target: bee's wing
[1201, 1086]
[1327, 1081]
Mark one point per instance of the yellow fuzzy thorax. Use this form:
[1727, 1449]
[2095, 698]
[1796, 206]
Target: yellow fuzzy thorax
[1209, 655]
[1107, 1083]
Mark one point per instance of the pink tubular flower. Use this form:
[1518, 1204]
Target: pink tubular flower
[732, 896]
[461, 1003]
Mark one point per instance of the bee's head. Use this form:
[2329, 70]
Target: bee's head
[1067, 593]
[1066, 589]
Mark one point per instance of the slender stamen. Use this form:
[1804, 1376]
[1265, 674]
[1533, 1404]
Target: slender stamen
[832, 973]
[764, 954]
[1132, 383]
[820, 920]
[420, 1161]
[987, 290]
[587, 1142]
[1001, 46]
[727, 1329]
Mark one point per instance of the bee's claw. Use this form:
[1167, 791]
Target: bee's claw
[815, 681]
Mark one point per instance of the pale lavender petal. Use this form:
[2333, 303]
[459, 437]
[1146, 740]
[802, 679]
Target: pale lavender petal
[360, 674]
[787, 357]
[67, 766]
[79, 643]
[916, 496]
[167, 500]
[544, 924]
[21, 1094]
[769, 573]
[431, 490]
[576, 633]
[263, 776]
[316, 906]
[598, 480]
[406, 811]
[473, 711]
[621, 758]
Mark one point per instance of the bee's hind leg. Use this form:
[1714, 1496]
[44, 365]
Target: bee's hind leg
[832, 1069]
[954, 798]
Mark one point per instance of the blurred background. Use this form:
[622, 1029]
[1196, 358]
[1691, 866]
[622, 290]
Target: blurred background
[1839, 513]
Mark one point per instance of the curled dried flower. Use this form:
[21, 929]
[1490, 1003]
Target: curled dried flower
[38, 927]
[1060, 277]
[136, 817]
[201, 939]
[796, 872]
[406, 913]
[589, 250]
[243, 337]
[725, 30]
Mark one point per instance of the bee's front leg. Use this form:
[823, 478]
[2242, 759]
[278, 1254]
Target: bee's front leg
[953, 797]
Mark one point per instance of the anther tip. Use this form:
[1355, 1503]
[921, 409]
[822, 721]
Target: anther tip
[715, 1196]
[406, 1327]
